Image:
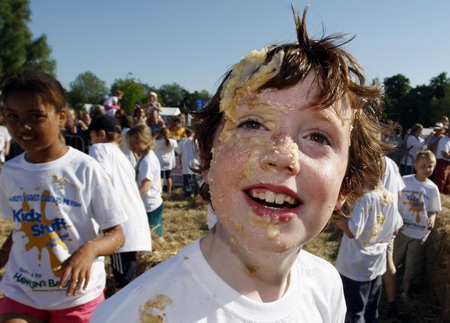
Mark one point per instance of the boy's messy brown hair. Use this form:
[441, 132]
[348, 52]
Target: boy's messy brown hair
[339, 78]
[49, 90]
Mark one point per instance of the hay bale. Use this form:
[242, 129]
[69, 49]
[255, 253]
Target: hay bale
[438, 259]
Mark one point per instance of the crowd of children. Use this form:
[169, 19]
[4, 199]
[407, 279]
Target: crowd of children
[290, 140]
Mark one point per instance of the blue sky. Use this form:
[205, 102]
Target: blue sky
[194, 42]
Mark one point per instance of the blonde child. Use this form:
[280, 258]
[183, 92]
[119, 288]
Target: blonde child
[419, 205]
[57, 197]
[361, 259]
[148, 175]
[283, 144]
[105, 138]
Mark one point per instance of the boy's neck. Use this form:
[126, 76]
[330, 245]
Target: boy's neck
[257, 276]
[421, 179]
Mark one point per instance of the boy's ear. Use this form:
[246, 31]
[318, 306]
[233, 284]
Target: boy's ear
[340, 201]
[102, 133]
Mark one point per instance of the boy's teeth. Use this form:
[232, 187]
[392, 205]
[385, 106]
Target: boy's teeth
[271, 197]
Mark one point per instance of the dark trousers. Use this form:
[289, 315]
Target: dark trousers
[190, 185]
[124, 267]
[362, 299]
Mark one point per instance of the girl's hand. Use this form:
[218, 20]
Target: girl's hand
[78, 265]
[431, 222]
[77, 269]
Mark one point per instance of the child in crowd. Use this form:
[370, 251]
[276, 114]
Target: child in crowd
[282, 144]
[105, 138]
[419, 204]
[165, 151]
[148, 175]
[186, 148]
[111, 103]
[393, 182]
[53, 194]
[361, 259]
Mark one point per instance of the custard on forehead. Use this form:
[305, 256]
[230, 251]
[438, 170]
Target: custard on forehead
[251, 73]
[247, 76]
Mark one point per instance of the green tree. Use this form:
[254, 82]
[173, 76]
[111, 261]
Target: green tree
[18, 49]
[396, 89]
[190, 102]
[173, 95]
[87, 88]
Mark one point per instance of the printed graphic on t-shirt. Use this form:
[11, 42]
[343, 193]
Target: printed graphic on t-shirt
[41, 233]
[416, 208]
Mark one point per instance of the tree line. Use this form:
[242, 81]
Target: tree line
[404, 104]
[424, 104]
[88, 88]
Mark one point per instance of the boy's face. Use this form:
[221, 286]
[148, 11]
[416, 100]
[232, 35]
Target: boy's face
[424, 168]
[277, 168]
[35, 126]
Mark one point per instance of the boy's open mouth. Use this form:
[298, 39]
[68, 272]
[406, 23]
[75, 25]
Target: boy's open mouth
[272, 200]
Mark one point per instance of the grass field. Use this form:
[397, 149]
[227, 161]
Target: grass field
[185, 221]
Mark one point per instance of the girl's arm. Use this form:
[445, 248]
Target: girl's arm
[343, 225]
[431, 220]
[145, 186]
[77, 268]
[5, 250]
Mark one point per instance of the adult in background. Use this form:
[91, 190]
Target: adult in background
[176, 131]
[442, 171]
[153, 103]
[155, 122]
[438, 133]
[413, 144]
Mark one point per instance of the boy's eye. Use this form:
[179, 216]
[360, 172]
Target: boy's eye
[319, 138]
[252, 125]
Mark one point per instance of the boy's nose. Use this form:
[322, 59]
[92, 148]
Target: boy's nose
[284, 155]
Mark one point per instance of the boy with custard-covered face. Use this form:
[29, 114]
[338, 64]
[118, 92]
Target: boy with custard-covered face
[289, 137]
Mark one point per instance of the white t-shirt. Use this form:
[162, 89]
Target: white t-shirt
[186, 289]
[166, 154]
[54, 206]
[443, 145]
[126, 149]
[112, 100]
[393, 181]
[4, 138]
[416, 144]
[148, 168]
[188, 153]
[374, 220]
[417, 199]
[136, 229]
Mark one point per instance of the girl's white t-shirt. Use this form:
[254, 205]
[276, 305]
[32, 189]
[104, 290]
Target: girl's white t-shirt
[56, 207]
[166, 153]
[148, 168]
